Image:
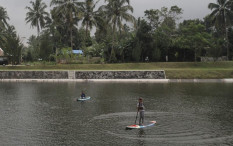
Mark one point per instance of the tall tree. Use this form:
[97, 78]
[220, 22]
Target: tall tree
[14, 45]
[36, 15]
[3, 26]
[90, 17]
[153, 17]
[193, 36]
[3, 18]
[222, 17]
[69, 12]
[117, 11]
[168, 25]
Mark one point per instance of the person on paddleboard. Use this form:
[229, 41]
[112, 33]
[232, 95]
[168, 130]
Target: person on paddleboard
[141, 110]
[83, 95]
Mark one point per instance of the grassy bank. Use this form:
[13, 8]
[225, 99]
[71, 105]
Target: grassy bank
[174, 70]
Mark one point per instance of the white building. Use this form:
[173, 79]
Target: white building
[1, 52]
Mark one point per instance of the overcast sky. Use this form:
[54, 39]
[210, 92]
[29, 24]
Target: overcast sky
[192, 9]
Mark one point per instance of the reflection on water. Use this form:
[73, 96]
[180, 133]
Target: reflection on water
[141, 133]
[48, 114]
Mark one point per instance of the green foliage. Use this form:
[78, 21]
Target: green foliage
[80, 39]
[113, 58]
[164, 17]
[103, 34]
[90, 17]
[230, 37]
[37, 15]
[69, 13]
[46, 47]
[153, 17]
[163, 39]
[156, 37]
[3, 18]
[137, 50]
[3, 27]
[193, 36]
[156, 54]
[221, 16]
[32, 52]
[145, 38]
[125, 47]
[27, 55]
[215, 50]
[13, 46]
[96, 50]
[117, 10]
[66, 56]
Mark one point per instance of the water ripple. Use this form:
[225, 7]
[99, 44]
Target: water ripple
[171, 128]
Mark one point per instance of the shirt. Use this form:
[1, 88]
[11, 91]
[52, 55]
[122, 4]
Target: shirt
[142, 106]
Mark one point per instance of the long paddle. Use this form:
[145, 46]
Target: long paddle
[136, 118]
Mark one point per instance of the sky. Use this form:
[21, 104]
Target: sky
[192, 9]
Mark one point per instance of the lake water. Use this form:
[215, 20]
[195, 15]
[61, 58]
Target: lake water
[48, 114]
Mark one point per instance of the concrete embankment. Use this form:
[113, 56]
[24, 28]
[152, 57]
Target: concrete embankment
[98, 76]
[124, 80]
[82, 75]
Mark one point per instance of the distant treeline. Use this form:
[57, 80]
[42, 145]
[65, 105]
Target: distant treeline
[119, 36]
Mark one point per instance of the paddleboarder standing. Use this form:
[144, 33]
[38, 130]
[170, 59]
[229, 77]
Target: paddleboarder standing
[141, 110]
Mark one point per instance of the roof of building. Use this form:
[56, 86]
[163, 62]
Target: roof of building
[1, 49]
[77, 51]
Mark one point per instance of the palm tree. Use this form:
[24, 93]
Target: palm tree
[36, 15]
[90, 17]
[69, 11]
[221, 15]
[3, 18]
[3, 25]
[117, 11]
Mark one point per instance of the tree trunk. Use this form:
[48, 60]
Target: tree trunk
[226, 35]
[20, 55]
[87, 29]
[38, 30]
[113, 43]
[227, 43]
[184, 56]
[71, 38]
[195, 55]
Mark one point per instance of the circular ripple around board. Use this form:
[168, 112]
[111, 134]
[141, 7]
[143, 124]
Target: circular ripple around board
[170, 128]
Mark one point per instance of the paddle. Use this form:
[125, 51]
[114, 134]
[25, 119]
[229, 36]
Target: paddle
[136, 115]
[136, 118]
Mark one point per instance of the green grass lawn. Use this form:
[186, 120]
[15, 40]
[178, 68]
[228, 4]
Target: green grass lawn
[174, 70]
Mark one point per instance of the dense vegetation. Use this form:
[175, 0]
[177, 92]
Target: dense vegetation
[119, 36]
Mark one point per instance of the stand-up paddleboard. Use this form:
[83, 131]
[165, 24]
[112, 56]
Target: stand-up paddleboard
[152, 123]
[83, 99]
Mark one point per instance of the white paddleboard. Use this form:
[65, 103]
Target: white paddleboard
[152, 123]
[83, 99]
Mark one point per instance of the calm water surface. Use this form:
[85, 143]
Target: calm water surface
[48, 114]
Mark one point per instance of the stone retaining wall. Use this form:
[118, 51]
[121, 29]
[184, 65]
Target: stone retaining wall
[33, 75]
[120, 75]
[82, 75]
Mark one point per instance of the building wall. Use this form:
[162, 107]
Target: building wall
[1, 52]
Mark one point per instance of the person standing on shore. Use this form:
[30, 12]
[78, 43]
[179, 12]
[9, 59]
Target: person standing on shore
[141, 110]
